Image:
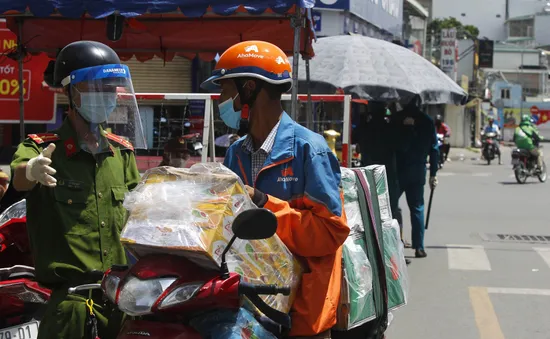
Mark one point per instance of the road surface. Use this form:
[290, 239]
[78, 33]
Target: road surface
[471, 288]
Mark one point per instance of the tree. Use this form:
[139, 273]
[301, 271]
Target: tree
[434, 33]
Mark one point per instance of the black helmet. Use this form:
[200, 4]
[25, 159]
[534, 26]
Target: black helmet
[82, 54]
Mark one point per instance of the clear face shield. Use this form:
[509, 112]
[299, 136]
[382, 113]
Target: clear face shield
[104, 98]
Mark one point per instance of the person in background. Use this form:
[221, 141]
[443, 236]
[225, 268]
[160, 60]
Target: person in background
[75, 179]
[289, 170]
[176, 153]
[445, 130]
[233, 138]
[4, 182]
[493, 128]
[527, 137]
[419, 140]
[378, 141]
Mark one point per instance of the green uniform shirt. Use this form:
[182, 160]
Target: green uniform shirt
[524, 135]
[75, 227]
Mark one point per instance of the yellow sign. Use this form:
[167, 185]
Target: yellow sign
[464, 83]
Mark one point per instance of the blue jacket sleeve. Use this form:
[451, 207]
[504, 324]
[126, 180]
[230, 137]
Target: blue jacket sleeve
[434, 152]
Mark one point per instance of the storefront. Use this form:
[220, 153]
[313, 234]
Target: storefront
[373, 18]
[415, 23]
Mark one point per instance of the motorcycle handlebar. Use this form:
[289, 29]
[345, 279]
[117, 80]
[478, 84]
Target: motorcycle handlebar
[252, 292]
[245, 288]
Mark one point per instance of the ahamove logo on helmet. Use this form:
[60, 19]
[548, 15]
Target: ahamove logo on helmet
[248, 52]
[250, 55]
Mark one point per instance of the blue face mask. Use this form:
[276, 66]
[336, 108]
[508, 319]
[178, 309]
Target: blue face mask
[96, 107]
[228, 114]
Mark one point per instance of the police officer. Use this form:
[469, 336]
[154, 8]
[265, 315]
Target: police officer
[76, 178]
[419, 140]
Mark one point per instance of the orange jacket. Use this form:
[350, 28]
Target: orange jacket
[301, 177]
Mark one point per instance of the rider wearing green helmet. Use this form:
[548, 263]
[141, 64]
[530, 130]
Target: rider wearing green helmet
[527, 137]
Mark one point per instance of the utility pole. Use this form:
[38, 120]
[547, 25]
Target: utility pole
[431, 46]
[522, 83]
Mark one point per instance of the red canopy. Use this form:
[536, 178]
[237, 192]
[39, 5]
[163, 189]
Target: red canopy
[164, 35]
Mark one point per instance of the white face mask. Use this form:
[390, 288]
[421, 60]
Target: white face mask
[178, 162]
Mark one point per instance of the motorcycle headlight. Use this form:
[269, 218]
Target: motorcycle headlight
[180, 295]
[110, 286]
[137, 297]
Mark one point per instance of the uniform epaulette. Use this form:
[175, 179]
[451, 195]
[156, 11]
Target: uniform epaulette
[120, 140]
[44, 137]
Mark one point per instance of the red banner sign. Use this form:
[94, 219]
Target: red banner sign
[39, 102]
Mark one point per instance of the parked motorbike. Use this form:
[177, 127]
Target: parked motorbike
[165, 291]
[525, 166]
[489, 147]
[21, 298]
[442, 141]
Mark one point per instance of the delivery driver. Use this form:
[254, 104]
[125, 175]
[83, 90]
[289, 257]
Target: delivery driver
[77, 177]
[289, 170]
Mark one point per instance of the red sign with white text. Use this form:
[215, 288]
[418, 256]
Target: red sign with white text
[39, 102]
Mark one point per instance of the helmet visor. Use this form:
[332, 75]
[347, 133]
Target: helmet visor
[104, 97]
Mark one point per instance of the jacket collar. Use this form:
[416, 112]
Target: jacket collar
[283, 148]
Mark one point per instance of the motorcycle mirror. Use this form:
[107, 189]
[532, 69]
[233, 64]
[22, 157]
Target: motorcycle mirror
[255, 224]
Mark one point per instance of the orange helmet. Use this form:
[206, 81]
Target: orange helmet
[254, 59]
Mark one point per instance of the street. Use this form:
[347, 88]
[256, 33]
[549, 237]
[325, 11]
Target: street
[469, 287]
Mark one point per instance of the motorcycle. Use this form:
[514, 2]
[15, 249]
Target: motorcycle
[525, 166]
[165, 292]
[489, 147]
[21, 298]
[442, 141]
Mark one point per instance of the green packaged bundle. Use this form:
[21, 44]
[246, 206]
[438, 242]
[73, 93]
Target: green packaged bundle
[356, 305]
[378, 174]
[394, 262]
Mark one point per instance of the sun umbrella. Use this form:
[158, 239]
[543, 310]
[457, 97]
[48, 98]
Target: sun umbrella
[374, 69]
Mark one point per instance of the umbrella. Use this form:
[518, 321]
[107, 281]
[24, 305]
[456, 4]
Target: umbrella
[377, 70]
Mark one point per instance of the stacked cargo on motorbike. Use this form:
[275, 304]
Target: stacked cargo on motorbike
[375, 279]
[189, 212]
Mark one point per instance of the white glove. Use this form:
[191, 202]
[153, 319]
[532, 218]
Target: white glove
[38, 169]
[433, 182]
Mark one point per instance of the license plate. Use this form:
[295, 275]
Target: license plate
[514, 162]
[23, 331]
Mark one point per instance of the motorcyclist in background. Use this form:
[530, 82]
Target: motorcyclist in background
[176, 153]
[527, 137]
[493, 128]
[444, 129]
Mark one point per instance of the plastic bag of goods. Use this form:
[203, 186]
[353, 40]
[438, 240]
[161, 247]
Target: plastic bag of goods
[397, 277]
[189, 212]
[382, 190]
[230, 324]
[356, 305]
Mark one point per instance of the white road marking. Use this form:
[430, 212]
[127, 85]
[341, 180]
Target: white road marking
[519, 291]
[445, 174]
[468, 258]
[482, 174]
[544, 252]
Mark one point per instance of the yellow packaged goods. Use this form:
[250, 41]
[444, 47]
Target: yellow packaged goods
[189, 212]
